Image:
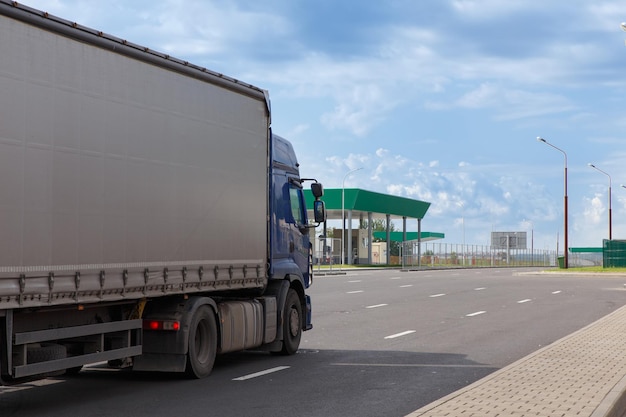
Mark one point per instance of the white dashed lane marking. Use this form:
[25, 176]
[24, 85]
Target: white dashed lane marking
[258, 374]
[524, 301]
[478, 313]
[354, 292]
[436, 295]
[377, 306]
[393, 336]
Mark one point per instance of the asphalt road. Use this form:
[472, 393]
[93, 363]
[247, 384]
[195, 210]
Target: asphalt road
[384, 343]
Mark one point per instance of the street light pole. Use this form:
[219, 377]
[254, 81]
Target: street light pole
[610, 214]
[343, 220]
[565, 257]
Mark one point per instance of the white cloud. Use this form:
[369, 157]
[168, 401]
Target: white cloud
[196, 28]
[513, 104]
[357, 110]
[298, 130]
[594, 210]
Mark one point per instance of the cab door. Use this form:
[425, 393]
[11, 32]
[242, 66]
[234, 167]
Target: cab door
[299, 242]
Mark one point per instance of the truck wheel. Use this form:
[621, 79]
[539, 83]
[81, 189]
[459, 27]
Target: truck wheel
[292, 323]
[202, 343]
[73, 371]
[45, 352]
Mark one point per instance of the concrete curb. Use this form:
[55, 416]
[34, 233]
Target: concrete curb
[614, 404]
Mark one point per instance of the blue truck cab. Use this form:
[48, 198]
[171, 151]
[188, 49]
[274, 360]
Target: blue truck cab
[290, 246]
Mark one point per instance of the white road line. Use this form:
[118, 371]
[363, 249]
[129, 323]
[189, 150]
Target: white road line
[408, 365]
[406, 286]
[356, 280]
[395, 278]
[258, 374]
[377, 305]
[556, 292]
[393, 336]
[524, 301]
[479, 289]
[436, 295]
[478, 313]
[354, 292]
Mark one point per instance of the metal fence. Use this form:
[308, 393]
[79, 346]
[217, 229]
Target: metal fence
[327, 256]
[327, 253]
[424, 254]
[585, 259]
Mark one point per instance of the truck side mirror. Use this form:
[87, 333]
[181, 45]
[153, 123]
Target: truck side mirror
[317, 189]
[319, 211]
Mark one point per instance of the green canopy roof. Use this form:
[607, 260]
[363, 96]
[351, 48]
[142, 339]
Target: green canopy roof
[363, 202]
[397, 236]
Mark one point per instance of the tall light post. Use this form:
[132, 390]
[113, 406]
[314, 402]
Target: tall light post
[565, 257]
[343, 219]
[610, 215]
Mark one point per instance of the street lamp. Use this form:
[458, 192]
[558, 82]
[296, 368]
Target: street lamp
[343, 220]
[610, 216]
[565, 258]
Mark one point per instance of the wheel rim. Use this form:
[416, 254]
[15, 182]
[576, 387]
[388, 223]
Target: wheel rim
[294, 322]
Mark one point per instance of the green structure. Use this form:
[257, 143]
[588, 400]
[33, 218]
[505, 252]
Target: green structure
[399, 236]
[585, 250]
[614, 253]
[355, 203]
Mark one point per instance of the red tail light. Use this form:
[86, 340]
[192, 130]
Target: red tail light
[171, 325]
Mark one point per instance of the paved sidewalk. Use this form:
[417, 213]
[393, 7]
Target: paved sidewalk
[582, 375]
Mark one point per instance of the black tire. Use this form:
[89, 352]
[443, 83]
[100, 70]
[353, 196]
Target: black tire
[202, 343]
[292, 323]
[45, 352]
[73, 371]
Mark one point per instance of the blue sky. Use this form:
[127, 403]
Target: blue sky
[437, 100]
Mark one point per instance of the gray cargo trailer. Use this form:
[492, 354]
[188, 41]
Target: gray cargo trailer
[143, 200]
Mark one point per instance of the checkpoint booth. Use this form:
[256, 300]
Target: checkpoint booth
[355, 241]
